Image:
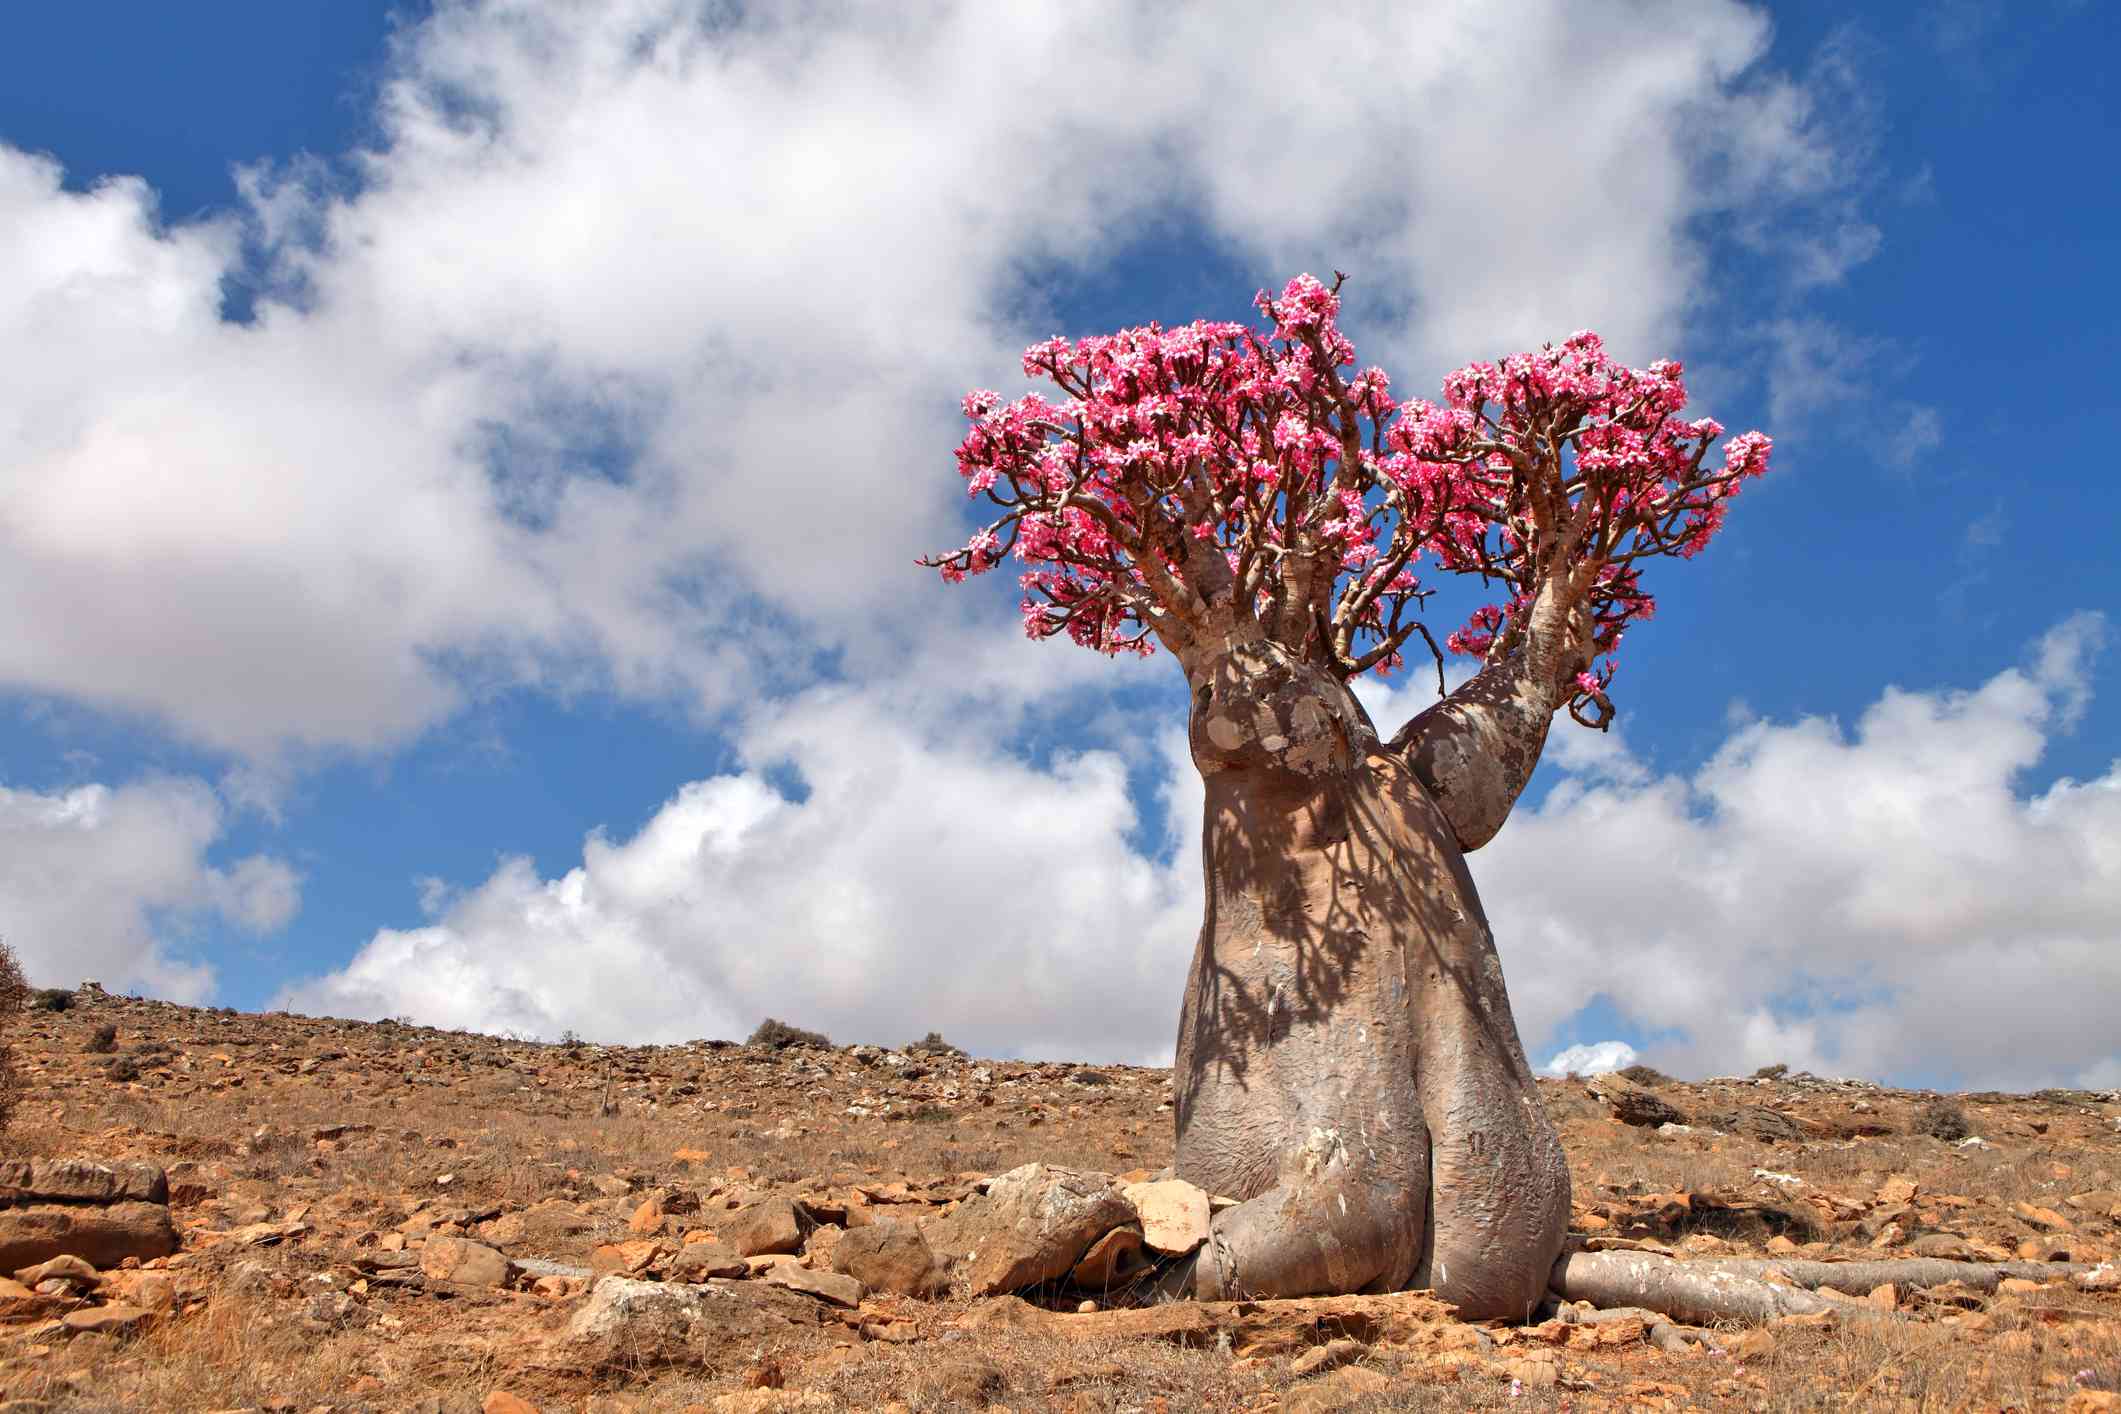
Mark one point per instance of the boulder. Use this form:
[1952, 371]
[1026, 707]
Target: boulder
[466, 1263]
[1032, 1225]
[103, 1235]
[630, 1324]
[889, 1256]
[1631, 1104]
[1174, 1215]
[769, 1225]
[81, 1181]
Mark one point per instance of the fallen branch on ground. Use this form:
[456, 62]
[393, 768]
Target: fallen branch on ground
[1738, 1290]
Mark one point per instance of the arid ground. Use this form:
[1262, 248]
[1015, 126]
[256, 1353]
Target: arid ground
[389, 1217]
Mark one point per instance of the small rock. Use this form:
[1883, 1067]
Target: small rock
[1329, 1356]
[116, 1319]
[1174, 1215]
[890, 1257]
[836, 1287]
[66, 1267]
[1111, 1260]
[769, 1225]
[465, 1262]
[697, 1261]
[2045, 1218]
[502, 1402]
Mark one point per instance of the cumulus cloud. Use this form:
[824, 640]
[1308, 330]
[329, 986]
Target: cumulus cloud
[626, 355]
[105, 882]
[1882, 900]
[914, 879]
[1598, 1058]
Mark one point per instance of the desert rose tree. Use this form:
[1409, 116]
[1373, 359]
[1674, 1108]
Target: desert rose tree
[1347, 1064]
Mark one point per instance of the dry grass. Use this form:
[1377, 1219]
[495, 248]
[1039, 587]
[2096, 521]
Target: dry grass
[510, 1125]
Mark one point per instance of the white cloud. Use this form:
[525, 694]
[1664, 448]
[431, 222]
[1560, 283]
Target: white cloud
[1598, 1058]
[629, 358]
[926, 881]
[1880, 902]
[103, 882]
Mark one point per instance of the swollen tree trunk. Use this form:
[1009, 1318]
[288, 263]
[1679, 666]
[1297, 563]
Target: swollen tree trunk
[1347, 1061]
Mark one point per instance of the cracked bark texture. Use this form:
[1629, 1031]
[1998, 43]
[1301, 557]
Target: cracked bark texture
[1347, 1062]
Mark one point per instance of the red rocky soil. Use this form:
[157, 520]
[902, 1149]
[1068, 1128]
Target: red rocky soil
[292, 1214]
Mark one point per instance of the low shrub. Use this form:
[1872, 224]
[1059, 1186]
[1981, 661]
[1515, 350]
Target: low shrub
[933, 1044]
[1645, 1075]
[780, 1036]
[1771, 1072]
[104, 1041]
[123, 1068]
[53, 999]
[1943, 1118]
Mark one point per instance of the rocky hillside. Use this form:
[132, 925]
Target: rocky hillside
[208, 1210]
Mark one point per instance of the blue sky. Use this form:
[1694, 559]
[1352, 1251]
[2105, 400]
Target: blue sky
[405, 482]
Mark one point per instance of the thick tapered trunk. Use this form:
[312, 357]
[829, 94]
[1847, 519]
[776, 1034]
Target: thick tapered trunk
[1347, 1061]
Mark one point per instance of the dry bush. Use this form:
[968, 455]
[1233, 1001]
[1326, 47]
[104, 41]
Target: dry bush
[779, 1036]
[933, 1044]
[46, 998]
[1771, 1072]
[1645, 1075]
[1943, 1119]
[104, 1040]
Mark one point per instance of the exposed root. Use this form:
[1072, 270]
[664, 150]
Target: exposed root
[1699, 1292]
[1857, 1278]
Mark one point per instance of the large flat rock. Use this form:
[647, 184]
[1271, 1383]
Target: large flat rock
[103, 1235]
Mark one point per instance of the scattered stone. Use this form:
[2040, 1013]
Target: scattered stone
[1331, 1355]
[1174, 1215]
[891, 1257]
[1032, 1225]
[115, 1319]
[697, 1261]
[769, 1225]
[836, 1287]
[1631, 1104]
[1112, 1259]
[467, 1263]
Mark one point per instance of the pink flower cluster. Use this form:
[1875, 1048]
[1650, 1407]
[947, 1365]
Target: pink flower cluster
[1183, 467]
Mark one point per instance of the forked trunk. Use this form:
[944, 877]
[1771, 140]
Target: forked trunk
[1347, 1061]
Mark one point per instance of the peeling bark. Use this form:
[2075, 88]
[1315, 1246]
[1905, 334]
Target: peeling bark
[1347, 1061]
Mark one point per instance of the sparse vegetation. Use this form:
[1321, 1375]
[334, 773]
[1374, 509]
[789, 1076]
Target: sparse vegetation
[537, 1135]
[103, 1040]
[1771, 1072]
[53, 999]
[780, 1036]
[1645, 1075]
[1943, 1118]
[123, 1068]
[933, 1044]
[14, 991]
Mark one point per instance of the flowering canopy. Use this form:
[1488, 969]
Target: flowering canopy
[1198, 476]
